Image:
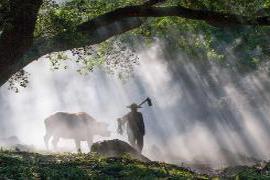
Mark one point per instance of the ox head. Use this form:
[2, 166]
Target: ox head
[101, 129]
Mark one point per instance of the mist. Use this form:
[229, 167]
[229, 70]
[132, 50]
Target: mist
[201, 112]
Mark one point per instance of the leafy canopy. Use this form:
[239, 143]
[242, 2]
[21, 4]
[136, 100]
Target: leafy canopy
[248, 44]
[242, 47]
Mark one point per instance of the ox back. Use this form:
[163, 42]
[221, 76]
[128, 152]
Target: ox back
[67, 125]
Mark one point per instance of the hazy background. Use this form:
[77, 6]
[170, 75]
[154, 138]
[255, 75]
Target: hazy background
[200, 113]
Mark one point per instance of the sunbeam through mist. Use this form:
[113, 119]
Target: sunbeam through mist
[201, 112]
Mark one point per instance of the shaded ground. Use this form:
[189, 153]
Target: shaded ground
[25, 165]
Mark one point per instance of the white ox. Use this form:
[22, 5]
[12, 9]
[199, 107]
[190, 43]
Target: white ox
[77, 126]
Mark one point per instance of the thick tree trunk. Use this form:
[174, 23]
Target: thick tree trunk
[17, 36]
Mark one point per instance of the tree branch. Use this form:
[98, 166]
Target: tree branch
[45, 46]
[55, 44]
[16, 40]
[211, 17]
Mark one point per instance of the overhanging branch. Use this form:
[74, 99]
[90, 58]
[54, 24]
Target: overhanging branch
[16, 42]
[211, 17]
[45, 46]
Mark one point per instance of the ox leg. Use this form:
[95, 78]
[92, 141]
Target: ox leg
[90, 142]
[55, 141]
[46, 140]
[78, 145]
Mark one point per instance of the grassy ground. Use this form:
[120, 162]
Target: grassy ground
[247, 173]
[24, 165]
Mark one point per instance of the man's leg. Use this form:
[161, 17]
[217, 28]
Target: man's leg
[140, 143]
[131, 140]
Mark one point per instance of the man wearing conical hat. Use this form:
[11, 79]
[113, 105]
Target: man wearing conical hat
[135, 126]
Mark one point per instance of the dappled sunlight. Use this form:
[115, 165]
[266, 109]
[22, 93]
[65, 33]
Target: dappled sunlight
[201, 113]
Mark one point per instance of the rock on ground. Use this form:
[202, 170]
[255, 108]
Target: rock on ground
[117, 148]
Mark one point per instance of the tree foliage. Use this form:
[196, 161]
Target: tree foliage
[197, 38]
[234, 35]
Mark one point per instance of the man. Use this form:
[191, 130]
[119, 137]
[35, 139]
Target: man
[135, 127]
